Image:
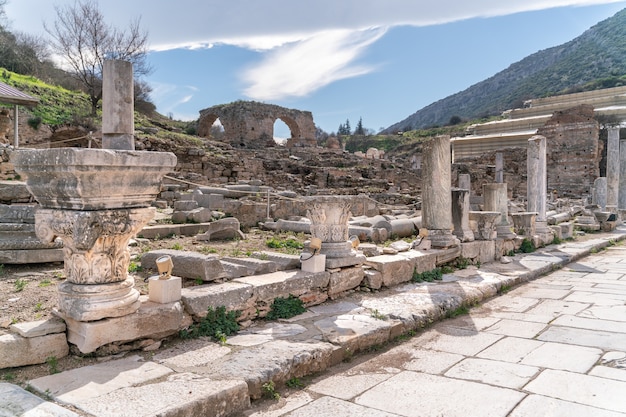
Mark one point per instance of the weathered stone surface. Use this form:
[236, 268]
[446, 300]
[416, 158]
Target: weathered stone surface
[184, 395]
[372, 279]
[227, 228]
[191, 265]
[283, 283]
[278, 361]
[15, 401]
[255, 266]
[479, 250]
[30, 256]
[344, 280]
[17, 351]
[12, 191]
[151, 321]
[232, 295]
[141, 171]
[355, 331]
[396, 269]
[38, 328]
[283, 260]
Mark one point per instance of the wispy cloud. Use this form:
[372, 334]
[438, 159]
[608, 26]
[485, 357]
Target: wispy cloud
[299, 68]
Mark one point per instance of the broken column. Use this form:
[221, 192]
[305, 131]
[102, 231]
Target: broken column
[118, 121]
[499, 167]
[329, 222]
[599, 193]
[460, 215]
[465, 182]
[612, 169]
[536, 184]
[496, 199]
[436, 197]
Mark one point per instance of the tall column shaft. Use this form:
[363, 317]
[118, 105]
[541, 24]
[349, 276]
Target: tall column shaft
[599, 193]
[537, 177]
[118, 121]
[612, 168]
[499, 167]
[465, 182]
[436, 197]
[621, 198]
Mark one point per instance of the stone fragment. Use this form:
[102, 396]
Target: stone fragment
[191, 265]
[226, 228]
[344, 280]
[16, 350]
[16, 401]
[255, 266]
[39, 328]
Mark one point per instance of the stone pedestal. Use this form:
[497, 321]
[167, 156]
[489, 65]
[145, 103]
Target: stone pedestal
[164, 291]
[329, 222]
[314, 264]
[524, 223]
[95, 245]
[496, 199]
[94, 200]
[485, 224]
[436, 197]
[460, 215]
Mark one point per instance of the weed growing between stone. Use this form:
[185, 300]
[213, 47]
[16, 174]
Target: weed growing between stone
[269, 390]
[527, 246]
[218, 324]
[285, 308]
[428, 276]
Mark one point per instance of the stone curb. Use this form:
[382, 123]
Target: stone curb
[275, 352]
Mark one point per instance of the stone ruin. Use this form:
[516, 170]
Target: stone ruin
[100, 307]
[249, 124]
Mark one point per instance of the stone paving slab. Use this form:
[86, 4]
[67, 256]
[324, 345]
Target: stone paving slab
[559, 364]
[15, 401]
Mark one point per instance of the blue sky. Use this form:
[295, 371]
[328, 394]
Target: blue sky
[379, 60]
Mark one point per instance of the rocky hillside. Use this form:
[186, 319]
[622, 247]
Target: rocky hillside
[595, 59]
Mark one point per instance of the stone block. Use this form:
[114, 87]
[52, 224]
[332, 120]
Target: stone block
[185, 205]
[158, 231]
[344, 280]
[283, 283]
[38, 328]
[199, 215]
[358, 259]
[20, 402]
[164, 291]
[567, 230]
[315, 263]
[232, 295]
[226, 228]
[283, 260]
[16, 350]
[447, 255]
[31, 256]
[255, 266]
[234, 270]
[372, 279]
[479, 250]
[395, 269]
[151, 321]
[191, 265]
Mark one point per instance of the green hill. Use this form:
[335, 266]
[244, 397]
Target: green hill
[595, 59]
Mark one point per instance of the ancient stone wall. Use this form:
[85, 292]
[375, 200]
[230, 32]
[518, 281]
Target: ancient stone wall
[574, 151]
[251, 125]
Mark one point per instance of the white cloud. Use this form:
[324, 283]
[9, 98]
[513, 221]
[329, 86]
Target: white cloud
[298, 68]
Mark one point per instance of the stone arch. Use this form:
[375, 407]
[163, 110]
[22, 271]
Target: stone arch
[248, 124]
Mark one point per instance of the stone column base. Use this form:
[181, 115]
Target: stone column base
[442, 239]
[97, 301]
[504, 231]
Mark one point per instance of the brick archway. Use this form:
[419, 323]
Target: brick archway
[248, 124]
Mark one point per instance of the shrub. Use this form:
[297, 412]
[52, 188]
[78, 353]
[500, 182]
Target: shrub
[217, 324]
[285, 308]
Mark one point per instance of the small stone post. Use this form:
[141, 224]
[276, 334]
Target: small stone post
[536, 183]
[436, 196]
[599, 193]
[496, 199]
[118, 124]
[499, 167]
[460, 215]
[612, 169]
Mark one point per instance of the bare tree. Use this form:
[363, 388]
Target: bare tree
[84, 40]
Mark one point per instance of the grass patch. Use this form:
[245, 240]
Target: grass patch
[218, 324]
[428, 276]
[459, 311]
[285, 308]
[20, 284]
[527, 246]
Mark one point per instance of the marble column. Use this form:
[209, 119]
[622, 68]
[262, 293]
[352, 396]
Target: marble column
[496, 199]
[436, 197]
[460, 215]
[599, 196]
[499, 167]
[118, 122]
[612, 169]
[537, 181]
[621, 198]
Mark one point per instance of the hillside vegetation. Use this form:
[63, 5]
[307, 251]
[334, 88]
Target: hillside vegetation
[595, 59]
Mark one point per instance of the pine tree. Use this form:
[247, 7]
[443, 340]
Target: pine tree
[359, 128]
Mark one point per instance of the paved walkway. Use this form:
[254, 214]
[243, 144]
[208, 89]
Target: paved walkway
[553, 347]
